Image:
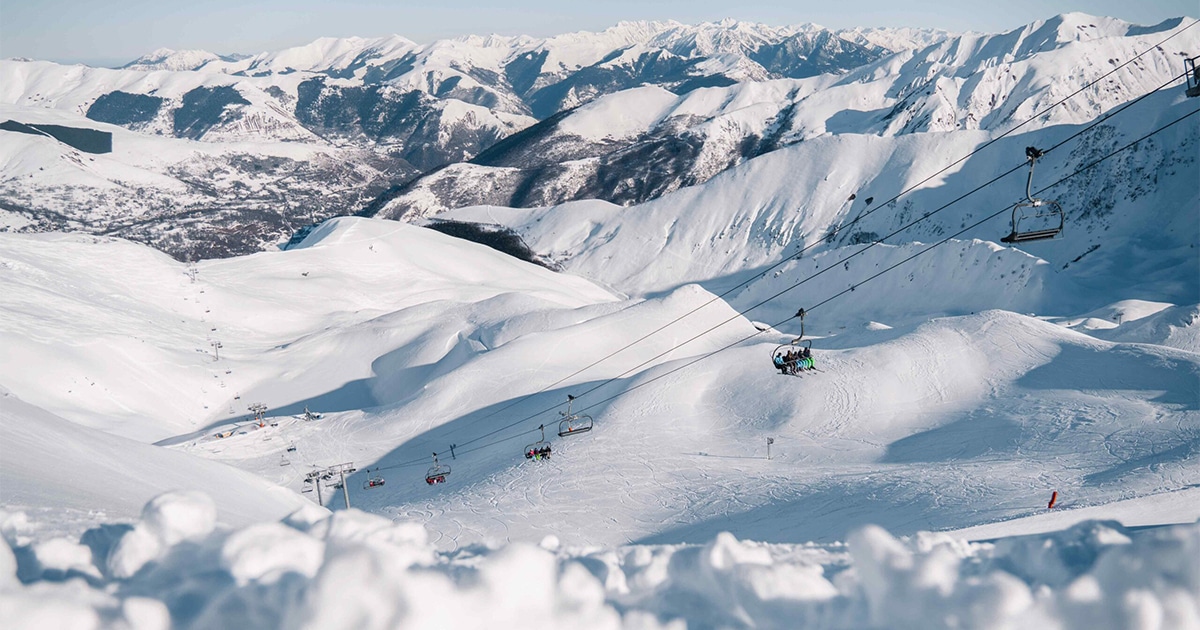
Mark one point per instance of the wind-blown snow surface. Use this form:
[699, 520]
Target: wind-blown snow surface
[358, 571]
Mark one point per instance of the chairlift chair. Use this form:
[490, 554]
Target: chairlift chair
[573, 423]
[436, 473]
[540, 449]
[1035, 219]
[1193, 77]
[800, 346]
[374, 480]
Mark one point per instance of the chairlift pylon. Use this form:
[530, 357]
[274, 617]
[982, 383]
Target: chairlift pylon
[436, 473]
[1193, 77]
[540, 449]
[1035, 219]
[573, 423]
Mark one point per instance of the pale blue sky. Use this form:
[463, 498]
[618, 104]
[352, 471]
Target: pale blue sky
[111, 32]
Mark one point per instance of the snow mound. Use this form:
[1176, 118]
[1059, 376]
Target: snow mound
[354, 570]
[1173, 326]
[167, 520]
[82, 475]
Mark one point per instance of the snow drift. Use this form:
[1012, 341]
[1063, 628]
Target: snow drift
[357, 571]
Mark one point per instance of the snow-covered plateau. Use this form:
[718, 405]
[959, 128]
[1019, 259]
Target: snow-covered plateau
[382, 425]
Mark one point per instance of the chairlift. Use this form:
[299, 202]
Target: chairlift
[540, 449]
[1193, 77]
[1035, 219]
[291, 448]
[573, 423]
[796, 355]
[436, 473]
[374, 481]
[283, 461]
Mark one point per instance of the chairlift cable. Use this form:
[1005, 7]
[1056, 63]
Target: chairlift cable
[858, 219]
[924, 251]
[845, 259]
[1075, 173]
[840, 229]
[1086, 128]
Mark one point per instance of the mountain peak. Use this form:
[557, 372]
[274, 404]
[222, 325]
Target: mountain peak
[170, 59]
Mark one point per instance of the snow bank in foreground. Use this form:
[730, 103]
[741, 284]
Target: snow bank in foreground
[356, 570]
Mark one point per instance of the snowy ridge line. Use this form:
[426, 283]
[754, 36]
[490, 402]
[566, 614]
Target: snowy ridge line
[742, 313]
[855, 221]
[1078, 133]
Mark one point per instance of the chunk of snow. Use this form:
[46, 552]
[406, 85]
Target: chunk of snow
[176, 516]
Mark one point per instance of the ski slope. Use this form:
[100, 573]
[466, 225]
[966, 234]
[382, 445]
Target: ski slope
[72, 477]
[408, 341]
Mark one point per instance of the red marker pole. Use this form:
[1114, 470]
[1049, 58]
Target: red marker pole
[1053, 498]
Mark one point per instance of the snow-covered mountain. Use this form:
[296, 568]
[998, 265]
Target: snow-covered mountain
[894, 39]
[1024, 420]
[636, 145]
[377, 111]
[758, 213]
[541, 76]
[177, 60]
[208, 164]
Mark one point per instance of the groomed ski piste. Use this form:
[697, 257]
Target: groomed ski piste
[962, 388]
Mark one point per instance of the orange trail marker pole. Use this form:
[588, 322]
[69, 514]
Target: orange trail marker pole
[1053, 498]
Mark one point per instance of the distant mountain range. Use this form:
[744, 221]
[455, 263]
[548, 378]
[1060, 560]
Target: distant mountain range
[367, 115]
[218, 155]
[539, 77]
[967, 82]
